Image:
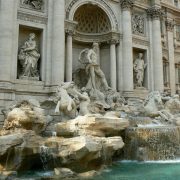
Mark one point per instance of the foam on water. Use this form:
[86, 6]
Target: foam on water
[152, 162]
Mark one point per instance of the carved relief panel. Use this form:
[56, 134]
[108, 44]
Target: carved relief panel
[138, 24]
[37, 5]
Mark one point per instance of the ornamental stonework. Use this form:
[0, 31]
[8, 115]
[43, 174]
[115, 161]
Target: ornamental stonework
[154, 12]
[126, 4]
[138, 24]
[169, 25]
[37, 5]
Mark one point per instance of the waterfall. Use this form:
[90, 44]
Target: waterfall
[54, 134]
[152, 143]
[45, 156]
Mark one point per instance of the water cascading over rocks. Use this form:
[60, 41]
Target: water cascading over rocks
[152, 143]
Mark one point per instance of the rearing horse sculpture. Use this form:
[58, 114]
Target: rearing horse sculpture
[153, 104]
[65, 103]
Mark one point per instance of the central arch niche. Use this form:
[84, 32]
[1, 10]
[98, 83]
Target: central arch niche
[92, 20]
[93, 24]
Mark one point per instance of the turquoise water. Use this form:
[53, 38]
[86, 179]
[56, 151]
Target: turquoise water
[128, 170]
[142, 171]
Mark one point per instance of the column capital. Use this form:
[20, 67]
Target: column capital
[126, 4]
[154, 12]
[113, 41]
[169, 24]
[69, 32]
[70, 27]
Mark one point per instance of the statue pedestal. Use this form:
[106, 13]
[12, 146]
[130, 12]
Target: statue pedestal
[139, 92]
[29, 78]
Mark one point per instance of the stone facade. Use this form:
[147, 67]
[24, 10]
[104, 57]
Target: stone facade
[122, 28]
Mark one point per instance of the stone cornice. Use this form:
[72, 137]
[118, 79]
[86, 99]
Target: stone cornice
[126, 4]
[154, 12]
[103, 37]
[140, 40]
[32, 17]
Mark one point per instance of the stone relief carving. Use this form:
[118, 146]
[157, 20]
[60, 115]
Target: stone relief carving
[28, 58]
[139, 67]
[138, 24]
[169, 25]
[33, 4]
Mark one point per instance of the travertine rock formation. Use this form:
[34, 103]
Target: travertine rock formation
[25, 115]
[92, 125]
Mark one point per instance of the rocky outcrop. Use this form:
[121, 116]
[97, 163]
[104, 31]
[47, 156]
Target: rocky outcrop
[92, 125]
[25, 115]
[84, 152]
[88, 143]
[19, 149]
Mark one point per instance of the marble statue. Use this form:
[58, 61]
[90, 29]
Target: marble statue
[28, 57]
[84, 104]
[153, 104]
[139, 67]
[168, 112]
[65, 103]
[68, 100]
[97, 79]
[173, 104]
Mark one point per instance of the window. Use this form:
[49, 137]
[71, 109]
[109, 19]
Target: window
[176, 3]
[177, 75]
[178, 32]
[166, 72]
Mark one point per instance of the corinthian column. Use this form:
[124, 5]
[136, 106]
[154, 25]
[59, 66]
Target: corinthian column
[113, 63]
[70, 28]
[58, 42]
[126, 6]
[154, 13]
[170, 36]
[6, 38]
[69, 56]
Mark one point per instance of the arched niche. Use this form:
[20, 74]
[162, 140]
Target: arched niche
[91, 21]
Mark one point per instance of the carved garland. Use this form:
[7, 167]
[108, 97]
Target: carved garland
[101, 2]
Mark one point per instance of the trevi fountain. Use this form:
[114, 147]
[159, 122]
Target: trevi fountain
[89, 89]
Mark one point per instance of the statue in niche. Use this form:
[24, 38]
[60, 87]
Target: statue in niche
[97, 79]
[35, 4]
[139, 67]
[28, 57]
[96, 83]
